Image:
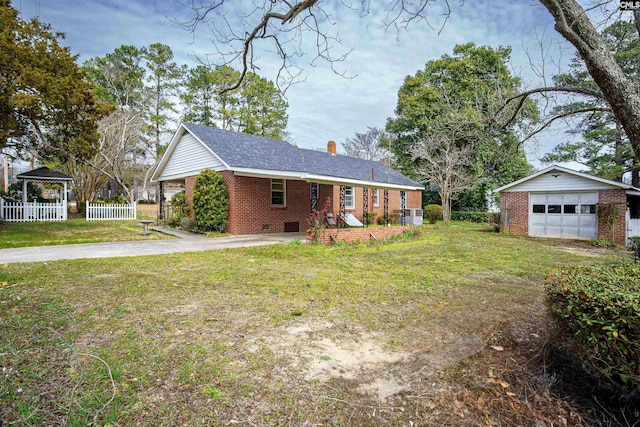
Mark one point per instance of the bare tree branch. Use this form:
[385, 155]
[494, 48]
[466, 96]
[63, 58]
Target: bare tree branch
[444, 164]
[522, 97]
[282, 24]
[367, 145]
[566, 114]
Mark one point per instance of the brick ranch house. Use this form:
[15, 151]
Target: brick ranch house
[273, 185]
[561, 202]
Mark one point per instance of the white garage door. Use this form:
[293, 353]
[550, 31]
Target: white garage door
[571, 215]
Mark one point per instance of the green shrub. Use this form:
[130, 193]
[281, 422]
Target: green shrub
[188, 224]
[210, 202]
[477, 217]
[597, 311]
[432, 213]
[602, 243]
[371, 217]
[34, 193]
[180, 205]
[494, 218]
[173, 222]
[117, 200]
[394, 218]
[634, 245]
[414, 232]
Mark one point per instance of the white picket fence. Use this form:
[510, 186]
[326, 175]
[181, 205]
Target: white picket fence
[633, 227]
[32, 212]
[110, 212]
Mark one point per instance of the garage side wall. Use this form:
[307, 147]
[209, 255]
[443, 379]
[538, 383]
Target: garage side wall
[514, 212]
[618, 197]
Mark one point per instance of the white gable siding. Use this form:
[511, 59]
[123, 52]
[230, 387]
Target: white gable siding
[558, 181]
[189, 158]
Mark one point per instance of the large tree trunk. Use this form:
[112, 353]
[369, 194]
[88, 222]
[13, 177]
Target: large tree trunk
[574, 24]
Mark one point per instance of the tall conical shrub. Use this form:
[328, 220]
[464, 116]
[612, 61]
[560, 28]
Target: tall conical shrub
[210, 202]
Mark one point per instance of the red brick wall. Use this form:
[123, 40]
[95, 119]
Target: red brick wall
[517, 205]
[618, 197]
[356, 234]
[250, 203]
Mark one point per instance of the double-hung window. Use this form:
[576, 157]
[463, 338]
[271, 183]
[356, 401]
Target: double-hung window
[349, 198]
[278, 191]
[376, 197]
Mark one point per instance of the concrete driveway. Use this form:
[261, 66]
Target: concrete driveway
[187, 242]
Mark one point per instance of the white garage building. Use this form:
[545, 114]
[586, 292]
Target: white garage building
[560, 202]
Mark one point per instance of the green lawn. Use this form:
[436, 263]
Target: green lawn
[20, 234]
[283, 335]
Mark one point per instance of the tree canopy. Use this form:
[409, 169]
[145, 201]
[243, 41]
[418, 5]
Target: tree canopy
[256, 106]
[459, 96]
[46, 105]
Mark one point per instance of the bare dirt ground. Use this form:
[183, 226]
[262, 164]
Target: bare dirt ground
[324, 354]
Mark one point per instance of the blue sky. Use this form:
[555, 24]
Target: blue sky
[327, 106]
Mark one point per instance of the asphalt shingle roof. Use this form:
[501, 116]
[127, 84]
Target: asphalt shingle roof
[239, 150]
[44, 173]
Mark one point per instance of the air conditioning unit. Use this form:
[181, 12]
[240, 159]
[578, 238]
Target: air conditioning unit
[412, 216]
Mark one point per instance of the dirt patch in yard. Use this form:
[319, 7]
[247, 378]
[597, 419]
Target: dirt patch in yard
[582, 248]
[586, 251]
[324, 353]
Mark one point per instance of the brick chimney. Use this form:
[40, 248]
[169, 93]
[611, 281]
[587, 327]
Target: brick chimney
[331, 147]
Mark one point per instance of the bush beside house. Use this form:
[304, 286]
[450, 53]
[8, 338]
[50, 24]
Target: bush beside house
[210, 202]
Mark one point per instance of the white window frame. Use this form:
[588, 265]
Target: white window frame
[349, 198]
[376, 197]
[283, 191]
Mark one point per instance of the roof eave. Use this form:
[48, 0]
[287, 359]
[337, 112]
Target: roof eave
[321, 179]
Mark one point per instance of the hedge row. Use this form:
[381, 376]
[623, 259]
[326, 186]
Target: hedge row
[598, 308]
[479, 217]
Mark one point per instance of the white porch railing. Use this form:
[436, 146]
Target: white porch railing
[32, 212]
[110, 212]
[633, 227]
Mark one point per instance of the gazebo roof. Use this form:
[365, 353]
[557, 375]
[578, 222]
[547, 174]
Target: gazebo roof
[44, 174]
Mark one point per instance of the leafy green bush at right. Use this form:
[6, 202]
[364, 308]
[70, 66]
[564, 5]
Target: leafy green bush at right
[598, 310]
[432, 213]
[478, 217]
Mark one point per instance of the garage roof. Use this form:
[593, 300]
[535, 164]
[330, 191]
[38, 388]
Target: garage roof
[560, 169]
